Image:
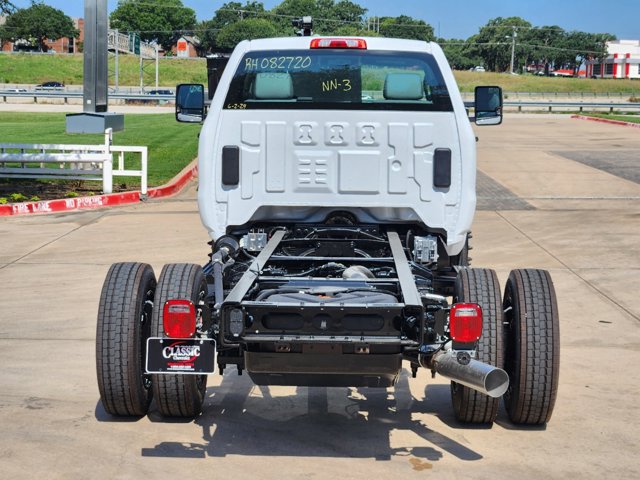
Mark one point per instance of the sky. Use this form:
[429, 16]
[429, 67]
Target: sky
[460, 18]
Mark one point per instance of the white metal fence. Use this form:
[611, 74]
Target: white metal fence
[72, 162]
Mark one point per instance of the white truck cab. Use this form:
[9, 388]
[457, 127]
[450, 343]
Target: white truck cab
[303, 126]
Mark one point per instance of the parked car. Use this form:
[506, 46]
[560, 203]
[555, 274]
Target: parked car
[164, 92]
[479, 68]
[50, 86]
[160, 92]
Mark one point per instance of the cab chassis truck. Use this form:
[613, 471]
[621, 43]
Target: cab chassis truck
[337, 183]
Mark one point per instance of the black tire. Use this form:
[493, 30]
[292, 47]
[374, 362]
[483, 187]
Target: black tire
[178, 395]
[532, 343]
[124, 320]
[481, 286]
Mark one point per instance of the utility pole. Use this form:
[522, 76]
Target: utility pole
[513, 47]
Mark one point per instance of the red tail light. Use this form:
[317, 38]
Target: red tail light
[339, 43]
[179, 319]
[465, 322]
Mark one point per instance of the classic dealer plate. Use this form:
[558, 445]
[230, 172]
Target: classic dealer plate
[181, 355]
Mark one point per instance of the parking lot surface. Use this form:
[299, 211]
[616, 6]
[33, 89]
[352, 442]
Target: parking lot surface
[552, 195]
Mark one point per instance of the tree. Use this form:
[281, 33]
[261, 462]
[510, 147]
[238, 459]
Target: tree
[584, 46]
[162, 21]
[249, 29]
[328, 15]
[406, 27]
[227, 14]
[545, 47]
[494, 41]
[287, 10]
[347, 11]
[38, 23]
[342, 18]
[458, 53]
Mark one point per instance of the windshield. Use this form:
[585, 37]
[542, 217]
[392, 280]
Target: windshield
[338, 80]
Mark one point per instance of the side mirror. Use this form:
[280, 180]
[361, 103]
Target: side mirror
[190, 103]
[488, 105]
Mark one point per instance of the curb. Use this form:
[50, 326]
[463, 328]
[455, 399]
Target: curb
[175, 185]
[606, 120]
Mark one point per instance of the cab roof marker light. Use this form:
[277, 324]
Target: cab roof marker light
[357, 43]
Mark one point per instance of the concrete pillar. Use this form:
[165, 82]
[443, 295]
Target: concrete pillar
[95, 97]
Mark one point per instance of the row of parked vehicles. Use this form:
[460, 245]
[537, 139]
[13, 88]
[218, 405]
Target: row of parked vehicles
[56, 86]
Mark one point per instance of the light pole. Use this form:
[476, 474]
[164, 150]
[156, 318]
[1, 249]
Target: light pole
[513, 47]
[95, 95]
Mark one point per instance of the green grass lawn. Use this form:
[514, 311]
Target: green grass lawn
[537, 84]
[171, 145]
[34, 69]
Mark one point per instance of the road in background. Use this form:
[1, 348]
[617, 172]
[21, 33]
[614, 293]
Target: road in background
[546, 201]
[59, 108]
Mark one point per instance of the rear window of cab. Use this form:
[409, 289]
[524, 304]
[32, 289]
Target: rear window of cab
[338, 79]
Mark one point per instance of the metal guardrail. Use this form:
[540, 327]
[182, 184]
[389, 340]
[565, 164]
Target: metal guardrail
[66, 95]
[146, 98]
[581, 106]
[553, 95]
[573, 94]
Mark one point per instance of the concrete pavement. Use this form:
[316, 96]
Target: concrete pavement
[582, 224]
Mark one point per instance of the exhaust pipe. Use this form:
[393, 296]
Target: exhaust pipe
[471, 373]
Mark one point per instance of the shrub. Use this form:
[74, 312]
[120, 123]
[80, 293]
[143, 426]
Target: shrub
[17, 197]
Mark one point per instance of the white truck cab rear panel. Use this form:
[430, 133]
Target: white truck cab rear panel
[298, 164]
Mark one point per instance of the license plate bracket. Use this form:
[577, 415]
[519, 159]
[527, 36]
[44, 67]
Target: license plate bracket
[190, 356]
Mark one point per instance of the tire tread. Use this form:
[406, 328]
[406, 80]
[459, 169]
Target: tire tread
[481, 286]
[118, 343]
[176, 395]
[536, 343]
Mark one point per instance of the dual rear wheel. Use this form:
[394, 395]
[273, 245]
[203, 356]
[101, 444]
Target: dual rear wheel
[130, 312]
[521, 335]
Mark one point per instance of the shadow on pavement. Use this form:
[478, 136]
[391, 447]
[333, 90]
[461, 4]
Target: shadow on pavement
[240, 418]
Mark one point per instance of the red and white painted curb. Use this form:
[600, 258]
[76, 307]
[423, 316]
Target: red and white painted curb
[606, 120]
[189, 173]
